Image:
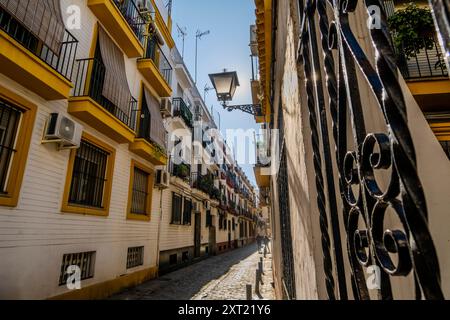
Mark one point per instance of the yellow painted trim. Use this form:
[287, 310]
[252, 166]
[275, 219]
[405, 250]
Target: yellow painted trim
[441, 130]
[89, 111]
[70, 208]
[144, 149]
[165, 29]
[27, 69]
[151, 181]
[114, 22]
[151, 73]
[19, 161]
[263, 181]
[429, 87]
[108, 288]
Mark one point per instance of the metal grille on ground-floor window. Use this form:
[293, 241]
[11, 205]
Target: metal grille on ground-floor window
[177, 203]
[285, 225]
[187, 212]
[135, 257]
[85, 261]
[140, 192]
[9, 126]
[89, 176]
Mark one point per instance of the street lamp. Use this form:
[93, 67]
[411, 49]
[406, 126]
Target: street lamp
[225, 84]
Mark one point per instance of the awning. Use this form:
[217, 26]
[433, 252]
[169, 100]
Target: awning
[157, 131]
[43, 18]
[115, 87]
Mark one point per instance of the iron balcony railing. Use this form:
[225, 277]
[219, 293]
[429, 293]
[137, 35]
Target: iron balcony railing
[154, 52]
[180, 109]
[89, 78]
[62, 62]
[133, 16]
[427, 63]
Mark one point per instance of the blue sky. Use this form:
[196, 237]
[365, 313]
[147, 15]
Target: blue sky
[227, 46]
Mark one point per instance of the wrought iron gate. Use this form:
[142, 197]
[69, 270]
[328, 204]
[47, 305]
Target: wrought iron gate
[366, 155]
[285, 226]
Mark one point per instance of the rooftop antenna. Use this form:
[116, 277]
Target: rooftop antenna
[182, 33]
[198, 36]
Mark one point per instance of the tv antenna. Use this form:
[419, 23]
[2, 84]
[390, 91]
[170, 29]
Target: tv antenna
[198, 36]
[182, 33]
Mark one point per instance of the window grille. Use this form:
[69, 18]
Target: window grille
[177, 203]
[187, 212]
[140, 192]
[83, 260]
[135, 257]
[9, 127]
[89, 176]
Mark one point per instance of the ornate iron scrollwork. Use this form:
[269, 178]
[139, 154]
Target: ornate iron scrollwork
[365, 199]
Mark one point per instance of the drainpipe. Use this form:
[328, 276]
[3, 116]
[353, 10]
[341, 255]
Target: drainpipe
[159, 229]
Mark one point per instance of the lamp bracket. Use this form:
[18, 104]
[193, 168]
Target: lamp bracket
[253, 109]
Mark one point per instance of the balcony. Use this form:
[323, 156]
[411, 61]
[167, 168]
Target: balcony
[182, 112]
[180, 174]
[146, 146]
[427, 77]
[31, 63]
[156, 69]
[90, 106]
[124, 22]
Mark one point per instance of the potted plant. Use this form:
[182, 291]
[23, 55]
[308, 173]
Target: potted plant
[412, 31]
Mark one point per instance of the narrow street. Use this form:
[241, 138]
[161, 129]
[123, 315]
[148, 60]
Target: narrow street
[222, 277]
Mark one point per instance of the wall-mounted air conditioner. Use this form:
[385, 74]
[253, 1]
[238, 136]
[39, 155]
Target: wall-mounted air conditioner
[162, 179]
[63, 131]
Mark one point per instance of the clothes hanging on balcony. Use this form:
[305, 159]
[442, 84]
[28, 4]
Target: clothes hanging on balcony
[157, 131]
[115, 87]
[42, 18]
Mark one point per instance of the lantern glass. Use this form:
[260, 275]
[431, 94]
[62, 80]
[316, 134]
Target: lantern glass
[225, 84]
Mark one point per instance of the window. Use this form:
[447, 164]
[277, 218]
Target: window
[16, 125]
[208, 219]
[177, 204]
[173, 259]
[140, 193]
[185, 256]
[83, 260]
[89, 176]
[233, 224]
[187, 212]
[135, 257]
[89, 180]
[9, 126]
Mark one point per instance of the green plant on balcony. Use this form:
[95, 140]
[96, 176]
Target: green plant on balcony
[205, 183]
[413, 30]
[215, 193]
[182, 171]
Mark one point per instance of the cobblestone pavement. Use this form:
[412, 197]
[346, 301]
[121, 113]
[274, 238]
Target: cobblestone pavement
[222, 277]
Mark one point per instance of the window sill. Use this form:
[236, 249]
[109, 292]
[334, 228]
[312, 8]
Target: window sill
[138, 217]
[88, 211]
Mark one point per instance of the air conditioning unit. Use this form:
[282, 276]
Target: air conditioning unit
[162, 179]
[166, 107]
[62, 130]
[196, 206]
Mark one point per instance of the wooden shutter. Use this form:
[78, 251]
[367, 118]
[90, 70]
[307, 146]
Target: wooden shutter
[157, 131]
[115, 87]
[41, 17]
